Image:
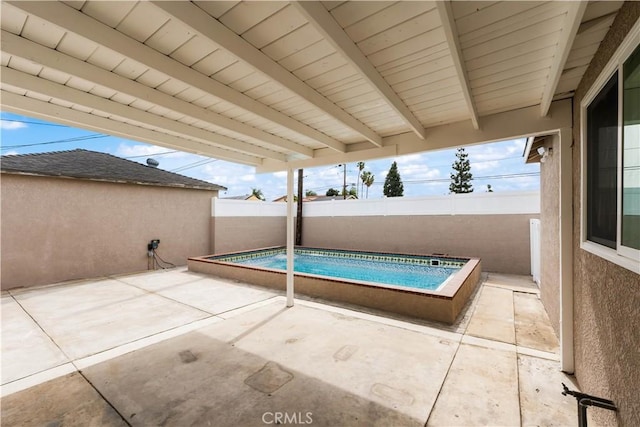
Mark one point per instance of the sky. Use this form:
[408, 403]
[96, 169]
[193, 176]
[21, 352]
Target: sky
[500, 164]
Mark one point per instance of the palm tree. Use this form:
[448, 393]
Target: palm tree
[360, 169]
[367, 179]
[257, 193]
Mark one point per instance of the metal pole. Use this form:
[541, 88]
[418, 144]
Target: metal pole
[299, 205]
[290, 237]
[344, 185]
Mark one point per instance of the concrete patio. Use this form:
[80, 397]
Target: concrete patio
[178, 348]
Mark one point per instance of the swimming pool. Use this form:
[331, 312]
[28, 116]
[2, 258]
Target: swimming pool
[411, 272]
[425, 286]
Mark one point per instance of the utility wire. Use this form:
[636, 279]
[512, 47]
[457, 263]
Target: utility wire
[152, 154]
[59, 141]
[194, 165]
[33, 123]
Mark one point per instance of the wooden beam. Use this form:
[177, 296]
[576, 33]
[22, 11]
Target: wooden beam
[520, 123]
[575, 11]
[208, 27]
[23, 48]
[76, 22]
[451, 33]
[324, 23]
[32, 107]
[48, 88]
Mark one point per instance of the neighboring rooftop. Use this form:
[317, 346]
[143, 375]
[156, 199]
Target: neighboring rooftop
[242, 197]
[86, 164]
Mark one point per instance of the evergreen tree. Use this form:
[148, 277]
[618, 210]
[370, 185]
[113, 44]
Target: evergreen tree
[393, 183]
[461, 176]
[489, 189]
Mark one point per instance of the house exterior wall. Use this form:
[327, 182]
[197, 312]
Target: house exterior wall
[606, 296]
[501, 241]
[58, 229]
[550, 234]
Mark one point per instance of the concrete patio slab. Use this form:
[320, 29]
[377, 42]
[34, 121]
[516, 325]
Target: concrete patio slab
[160, 279]
[209, 294]
[512, 282]
[493, 316]
[533, 329]
[541, 400]
[94, 316]
[480, 390]
[26, 349]
[340, 369]
[325, 364]
[66, 401]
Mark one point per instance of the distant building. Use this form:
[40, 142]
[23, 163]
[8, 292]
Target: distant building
[251, 197]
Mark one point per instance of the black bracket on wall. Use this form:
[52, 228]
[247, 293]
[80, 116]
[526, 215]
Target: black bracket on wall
[153, 245]
[586, 400]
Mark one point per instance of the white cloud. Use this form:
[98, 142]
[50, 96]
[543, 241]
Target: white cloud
[10, 153]
[6, 125]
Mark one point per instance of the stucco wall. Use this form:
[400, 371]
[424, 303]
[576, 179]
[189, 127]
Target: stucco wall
[607, 297]
[57, 229]
[230, 234]
[501, 241]
[550, 234]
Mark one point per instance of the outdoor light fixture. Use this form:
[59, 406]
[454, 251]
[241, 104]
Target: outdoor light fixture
[544, 153]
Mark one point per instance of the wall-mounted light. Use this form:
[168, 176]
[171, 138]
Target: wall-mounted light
[544, 153]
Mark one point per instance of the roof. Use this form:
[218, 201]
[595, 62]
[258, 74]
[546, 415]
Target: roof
[86, 164]
[242, 197]
[279, 85]
[321, 198]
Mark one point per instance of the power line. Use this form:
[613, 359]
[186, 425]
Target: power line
[152, 154]
[194, 165]
[59, 141]
[33, 123]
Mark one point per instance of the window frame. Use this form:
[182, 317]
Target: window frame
[623, 256]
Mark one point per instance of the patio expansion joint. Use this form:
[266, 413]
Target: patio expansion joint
[515, 336]
[165, 297]
[103, 397]
[69, 359]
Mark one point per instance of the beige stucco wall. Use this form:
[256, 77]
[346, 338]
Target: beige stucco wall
[230, 234]
[58, 229]
[501, 241]
[550, 233]
[606, 296]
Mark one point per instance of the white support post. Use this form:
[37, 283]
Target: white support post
[290, 236]
[566, 251]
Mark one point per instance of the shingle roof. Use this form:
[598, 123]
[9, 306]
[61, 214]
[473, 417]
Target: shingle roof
[93, 165]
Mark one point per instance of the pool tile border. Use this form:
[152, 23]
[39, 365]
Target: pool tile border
[428, 260]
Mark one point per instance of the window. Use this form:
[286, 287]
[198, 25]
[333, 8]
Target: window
[631, 152]
[602, 164]
[611, 159]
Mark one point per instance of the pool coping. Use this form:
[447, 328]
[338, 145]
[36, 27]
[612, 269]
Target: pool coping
[452, 294]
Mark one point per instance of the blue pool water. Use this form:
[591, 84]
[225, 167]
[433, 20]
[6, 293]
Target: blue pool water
[392, 272]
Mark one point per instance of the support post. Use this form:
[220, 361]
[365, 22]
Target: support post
[290, 236]
[566, 251]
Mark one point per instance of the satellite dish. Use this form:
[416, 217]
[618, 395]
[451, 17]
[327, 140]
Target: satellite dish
[152, 162]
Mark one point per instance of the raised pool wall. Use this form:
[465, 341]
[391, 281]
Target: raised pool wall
[490, 226]
[443, 305]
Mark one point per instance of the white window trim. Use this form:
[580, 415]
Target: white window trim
[623, 256]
